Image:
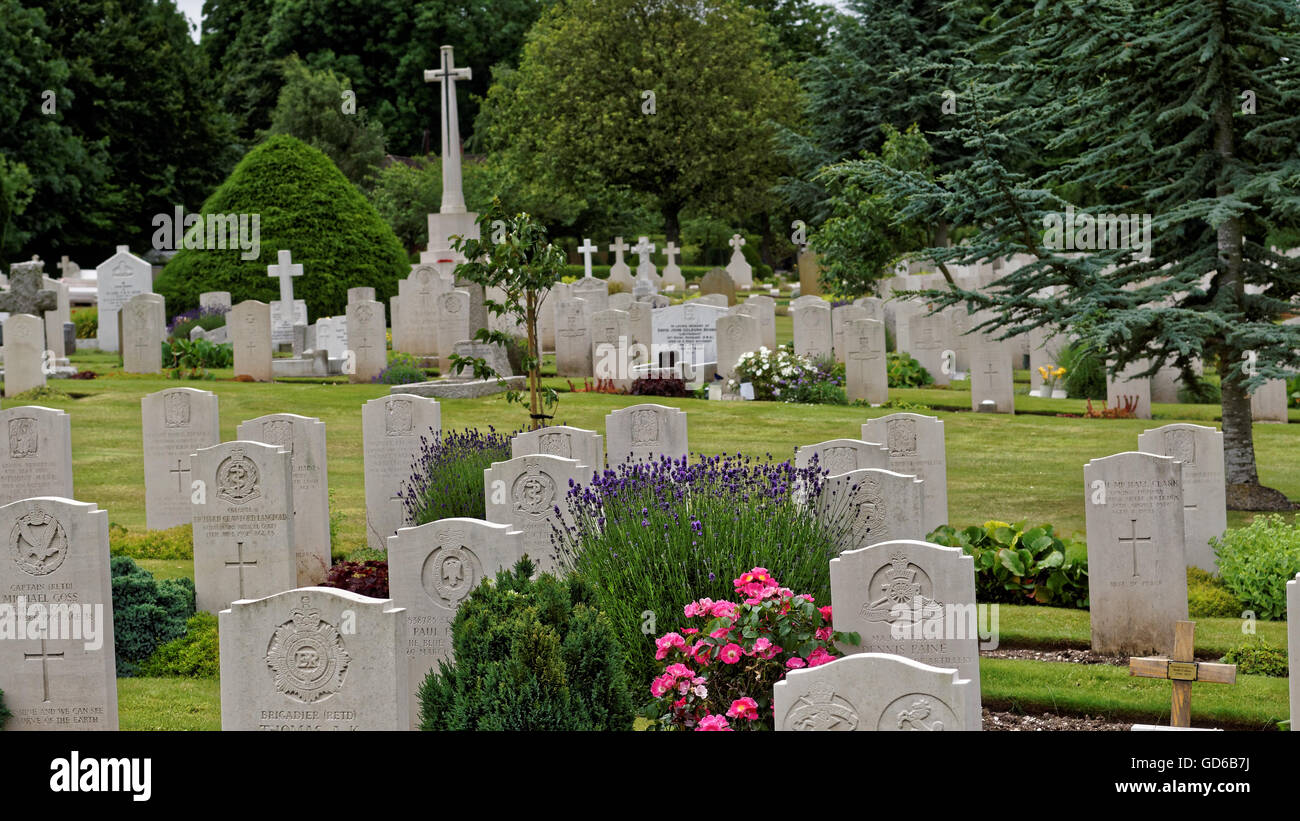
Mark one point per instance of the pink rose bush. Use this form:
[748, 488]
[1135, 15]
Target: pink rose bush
[718, 674]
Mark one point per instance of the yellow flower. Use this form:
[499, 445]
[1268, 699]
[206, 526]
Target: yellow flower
[1042, 371]
[1059, 372]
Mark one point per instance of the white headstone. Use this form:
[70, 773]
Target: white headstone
[432, 569]
[243, 523]
[1125, 388]
[689, 330]
[176, 422]
[215, 301]
[839, 316]
[737, 267]
[525, 493]
[618, 271]
[1205, 511]
[54, 319]
[1137, 576]
[644, 433]
[250, 336]
[37, 461]
[991, 379]
[392, 428]
[610, 355]
[812, 330]
[645, 269]
[916, 447]
[869, 692]
[120, 277]
[928, 338]
[572, 338]
[586, 447]
[367, 340]
[866, 375]
[737, 334]
[144, 325]
[868, 506]
[60, 673]
[762, 308]
[837, 456]
[672, 275]
[1268, 404]
[24, 354]
[304, 438]
[314, 658]
[914, 599]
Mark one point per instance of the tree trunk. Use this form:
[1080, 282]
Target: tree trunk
[535, 361]
[941, 234]
[672, 226]
[1238, 438]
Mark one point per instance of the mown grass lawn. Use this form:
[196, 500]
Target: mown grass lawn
[1029, 466]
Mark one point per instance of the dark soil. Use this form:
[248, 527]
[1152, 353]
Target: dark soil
[1260, 498]
[1071, 656]
[1048, 721]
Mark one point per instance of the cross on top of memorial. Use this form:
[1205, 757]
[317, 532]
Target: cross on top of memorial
[619, 247]
[587, 249]
[736, 241]
[671, 251]
[453, 198]
[25, 294]
[285, 271]
[644, 248]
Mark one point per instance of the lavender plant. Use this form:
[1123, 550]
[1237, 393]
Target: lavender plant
[653, 537]
[447, 475]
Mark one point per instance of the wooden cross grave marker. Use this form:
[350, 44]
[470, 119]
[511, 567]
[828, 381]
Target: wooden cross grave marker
[1182, 670]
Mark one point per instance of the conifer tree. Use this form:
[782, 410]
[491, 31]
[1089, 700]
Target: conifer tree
[1182, 112]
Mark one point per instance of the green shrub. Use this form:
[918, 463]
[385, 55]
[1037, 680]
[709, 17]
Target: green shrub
[400, 374]
[1085, 372]
[191, 359]
[1256, 561]
[87, 322]
[447, 477]
[183, 324]
[308, 207]
[1208, 597]
[146, 612]
[1200, 392]
[172, 543]
[1254, 656]
[193, 655]
[906, 372]
[1018, 566]
[530, 655]
[36, 395]
[652, 537]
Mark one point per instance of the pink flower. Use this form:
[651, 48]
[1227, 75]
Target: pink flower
[823, 633]
[666, 644]
[699, 608]
[700, 691]
[723, 610]
[661, 685]
[721, 633]
[702, 652]
[826, 612]
[676, 671]
[819, 657]
[690, 631]
[714, 723]
[744, 708]
[794, 663]
[731, 653]
[765, 648]
[808, 597]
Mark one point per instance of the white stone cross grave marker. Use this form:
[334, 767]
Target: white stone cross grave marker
[446, 75]
[586, 249]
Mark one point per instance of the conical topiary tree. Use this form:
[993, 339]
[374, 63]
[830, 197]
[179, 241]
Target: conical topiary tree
[305, 205]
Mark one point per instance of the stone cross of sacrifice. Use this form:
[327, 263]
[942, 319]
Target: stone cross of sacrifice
[285, 271]
[587, 249]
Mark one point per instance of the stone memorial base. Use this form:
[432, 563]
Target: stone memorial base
[463, 388]
[318, 365]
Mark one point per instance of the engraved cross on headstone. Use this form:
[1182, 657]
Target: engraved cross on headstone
[25, 294]
[587, 249]
[178, 470]
[240, 565]
[1133, 539]
[44, 657]
[991, 372]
